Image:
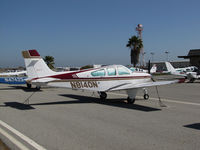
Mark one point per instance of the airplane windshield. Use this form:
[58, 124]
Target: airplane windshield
[132, 69]
[123, 71]
[98, 73]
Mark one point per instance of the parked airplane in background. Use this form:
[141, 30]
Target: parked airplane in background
[190, 73]
[14, 77]
[180, 71]
[192, 76]
[101, 80]
[13, 80]
[153, 69]
[15, 73]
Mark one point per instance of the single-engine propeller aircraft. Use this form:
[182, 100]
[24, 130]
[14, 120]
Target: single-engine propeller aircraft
[102, 80]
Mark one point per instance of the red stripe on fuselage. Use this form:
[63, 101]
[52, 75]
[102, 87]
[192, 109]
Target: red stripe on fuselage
[73, 76]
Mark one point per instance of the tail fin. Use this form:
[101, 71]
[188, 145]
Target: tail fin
[153, 69]
[35, 65]
[170, 68]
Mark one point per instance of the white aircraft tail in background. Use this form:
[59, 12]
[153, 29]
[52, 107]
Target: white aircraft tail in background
[153, 69]
[170, 68]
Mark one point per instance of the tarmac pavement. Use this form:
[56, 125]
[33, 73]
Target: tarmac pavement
[61, 119]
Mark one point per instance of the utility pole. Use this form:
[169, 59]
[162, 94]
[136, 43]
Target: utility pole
[152, 53]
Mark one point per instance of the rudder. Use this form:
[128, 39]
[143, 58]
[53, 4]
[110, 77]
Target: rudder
[35, 65]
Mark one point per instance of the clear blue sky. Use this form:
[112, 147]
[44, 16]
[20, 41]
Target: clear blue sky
[80, 32]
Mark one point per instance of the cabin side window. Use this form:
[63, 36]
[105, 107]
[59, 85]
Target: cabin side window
[98, 73]
[123, 71]
[111, 71]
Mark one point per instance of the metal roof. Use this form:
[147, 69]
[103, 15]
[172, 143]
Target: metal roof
[192, 53]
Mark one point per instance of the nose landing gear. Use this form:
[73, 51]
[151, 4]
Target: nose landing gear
[146, 95]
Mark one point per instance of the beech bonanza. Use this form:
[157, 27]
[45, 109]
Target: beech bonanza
[101, 80]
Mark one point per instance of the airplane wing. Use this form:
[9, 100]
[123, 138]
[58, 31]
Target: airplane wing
[140, 85]
[12, 73]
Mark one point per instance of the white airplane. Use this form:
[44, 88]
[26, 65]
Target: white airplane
[192, 76]
[101, 80]
[180, 71]
[153, 69]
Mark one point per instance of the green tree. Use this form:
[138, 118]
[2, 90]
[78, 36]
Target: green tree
[49, 61]
[135, 44]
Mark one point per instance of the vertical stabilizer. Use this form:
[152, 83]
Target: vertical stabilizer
[153, 69]
[35, 65]
[170, 68]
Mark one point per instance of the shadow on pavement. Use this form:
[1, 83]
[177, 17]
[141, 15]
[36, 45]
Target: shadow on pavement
[24, 88]
[193, 126]
[17, 105]
[111, 102]
[81, 100]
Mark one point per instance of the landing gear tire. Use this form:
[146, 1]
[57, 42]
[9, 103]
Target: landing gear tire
[192, 80]
[146, 96]
[28, 85]
[103, 95]
[131, 101]
[38, 88]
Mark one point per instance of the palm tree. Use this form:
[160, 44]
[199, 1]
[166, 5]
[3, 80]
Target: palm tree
[49, 61]
[135, 44]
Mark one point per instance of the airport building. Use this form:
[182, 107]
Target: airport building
[194, 56]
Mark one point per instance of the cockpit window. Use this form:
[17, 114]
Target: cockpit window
[98, 73]
[111, 71]
[132, 69]
[122, 71]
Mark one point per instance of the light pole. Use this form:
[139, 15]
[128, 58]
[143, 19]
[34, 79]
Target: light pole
[167, 52]
[152, 53]
[144, 59]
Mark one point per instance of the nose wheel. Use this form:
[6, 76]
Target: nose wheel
[146, 95]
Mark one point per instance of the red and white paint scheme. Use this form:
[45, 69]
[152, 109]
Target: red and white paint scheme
[102, 80]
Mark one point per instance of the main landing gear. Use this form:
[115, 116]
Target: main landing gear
[102, 95]
[29, 86]
[130, 100]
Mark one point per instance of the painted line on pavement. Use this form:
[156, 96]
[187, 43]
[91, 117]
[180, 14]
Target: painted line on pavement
[13, 140]
[165, 100]
[25, 138]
